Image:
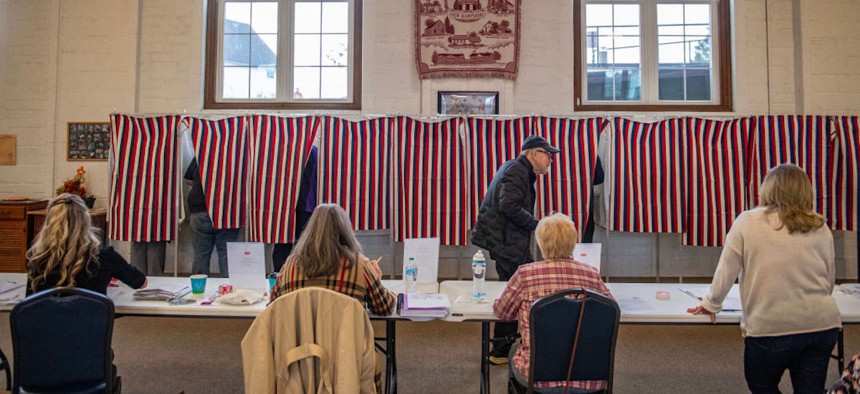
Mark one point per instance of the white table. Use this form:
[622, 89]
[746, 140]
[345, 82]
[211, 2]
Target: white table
[638, 303]
[124, 303]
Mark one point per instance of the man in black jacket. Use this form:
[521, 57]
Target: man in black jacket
[506, 222]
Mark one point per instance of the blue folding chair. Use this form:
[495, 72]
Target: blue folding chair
[572, 334]
[61, 340]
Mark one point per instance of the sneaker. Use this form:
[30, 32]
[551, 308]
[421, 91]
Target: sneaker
[498, 357]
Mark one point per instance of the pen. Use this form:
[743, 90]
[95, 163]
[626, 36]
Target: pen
[457, 314]
[691, 294]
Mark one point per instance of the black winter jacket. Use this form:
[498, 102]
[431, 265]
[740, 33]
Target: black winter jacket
[506, 217]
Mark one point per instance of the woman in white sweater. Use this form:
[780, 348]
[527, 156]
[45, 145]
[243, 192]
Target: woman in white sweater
[782, 253]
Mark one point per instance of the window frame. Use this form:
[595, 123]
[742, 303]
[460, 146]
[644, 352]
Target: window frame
[212, 65]
[723, 65]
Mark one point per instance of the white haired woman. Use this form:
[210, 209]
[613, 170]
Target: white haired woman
[782, 253]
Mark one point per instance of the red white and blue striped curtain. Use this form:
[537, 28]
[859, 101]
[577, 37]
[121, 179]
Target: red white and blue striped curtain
[646, 172]
[567, 187]
[430, 179]
[491, 144]
[844, 216]
[143, 191]
[354, 169]
[278, 148]
[804, 141]
[716, 191]
[221, 150]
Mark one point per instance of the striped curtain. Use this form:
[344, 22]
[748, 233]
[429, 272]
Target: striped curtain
[801, 140]
[143, 192]
[221, 150]
[567, 187]
[716, 191]
[491, 144]
[645, 172]
[278, 148]
[354, 169]
[846, 182]
[429, 190]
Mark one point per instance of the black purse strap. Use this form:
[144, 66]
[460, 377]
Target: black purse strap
[575, 341]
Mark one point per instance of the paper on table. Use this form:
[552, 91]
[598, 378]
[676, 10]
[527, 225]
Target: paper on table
[731, 303]
[114, 292]
[588, 253]
[427, 301]
[246, 262]
[425, 251]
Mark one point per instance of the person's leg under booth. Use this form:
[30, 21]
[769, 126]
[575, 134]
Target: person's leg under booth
[148, 257]
[203, 242]
[504, 333]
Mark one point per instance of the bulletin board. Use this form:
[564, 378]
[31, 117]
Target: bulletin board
[88, 141]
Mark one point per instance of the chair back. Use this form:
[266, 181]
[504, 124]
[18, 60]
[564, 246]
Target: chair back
[312, 340]
[554, 321]
[61, 340]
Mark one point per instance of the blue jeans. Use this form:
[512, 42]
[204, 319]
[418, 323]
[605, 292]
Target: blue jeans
[205, 238]
[804, 355]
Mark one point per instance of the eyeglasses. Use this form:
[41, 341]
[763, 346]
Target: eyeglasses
[545, 152]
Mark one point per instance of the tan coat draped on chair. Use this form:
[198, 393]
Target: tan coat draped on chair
[312, 340]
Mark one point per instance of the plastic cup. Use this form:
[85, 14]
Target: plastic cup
[272, 279]
[198, 283]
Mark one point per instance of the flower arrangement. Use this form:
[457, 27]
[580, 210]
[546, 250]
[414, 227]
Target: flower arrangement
[75, 185]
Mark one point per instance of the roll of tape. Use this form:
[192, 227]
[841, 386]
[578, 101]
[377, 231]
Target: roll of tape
[662, 295]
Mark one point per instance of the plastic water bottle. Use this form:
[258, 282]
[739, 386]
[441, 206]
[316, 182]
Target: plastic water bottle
[479, 270]
[410, 276]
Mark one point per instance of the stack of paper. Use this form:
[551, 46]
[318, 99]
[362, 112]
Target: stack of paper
[165, 292]
[425, 305]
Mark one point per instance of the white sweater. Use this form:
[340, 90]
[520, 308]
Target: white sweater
[786, 280]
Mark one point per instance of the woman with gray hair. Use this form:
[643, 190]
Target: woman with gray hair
[68, 252]
[782, 253]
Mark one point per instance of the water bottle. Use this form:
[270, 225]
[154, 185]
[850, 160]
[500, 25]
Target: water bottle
[479, 270]
[410, 276]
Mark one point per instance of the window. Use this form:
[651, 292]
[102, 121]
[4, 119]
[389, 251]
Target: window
[652, 55]
[283, 54]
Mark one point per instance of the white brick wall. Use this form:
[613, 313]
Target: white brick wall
[80, 60]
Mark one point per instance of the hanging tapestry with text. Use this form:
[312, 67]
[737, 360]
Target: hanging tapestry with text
[467, 38]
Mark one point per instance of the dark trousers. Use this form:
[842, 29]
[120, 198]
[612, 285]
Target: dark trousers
[806, 357]
[504, 332]
[281, 251]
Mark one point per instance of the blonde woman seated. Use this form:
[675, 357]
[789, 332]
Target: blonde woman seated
[68, 252]
[556, 237]
[328, 255]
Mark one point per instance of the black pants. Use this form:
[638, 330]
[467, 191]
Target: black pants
[804, 355]
[281, 251]
[505, 329]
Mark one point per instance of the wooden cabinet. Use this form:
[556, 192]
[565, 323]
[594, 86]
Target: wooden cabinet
[14, 230]
[37, 220]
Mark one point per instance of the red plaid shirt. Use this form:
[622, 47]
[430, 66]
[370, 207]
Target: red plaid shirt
[536, 280]
[358, 282]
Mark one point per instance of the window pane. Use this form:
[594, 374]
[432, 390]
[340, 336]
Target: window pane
[627, 51]
[335, 49]
[335, 17]
[237, 49]
[699, 50]
[264, 17]
[600, 85]
[671, 30]
[626, 14]
[307, 18]
[263, 82]
[670, 51]
[671, 84]
[670, 14]
[240, 16]
[307, 50]
[698, 84]
[264, 49]
[334, 82]
[598, 15]
[628, 85]
[235, 82]
[697, 14]
[307, 82]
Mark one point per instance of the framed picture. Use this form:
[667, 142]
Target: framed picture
[468, 103]
[88, 141]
